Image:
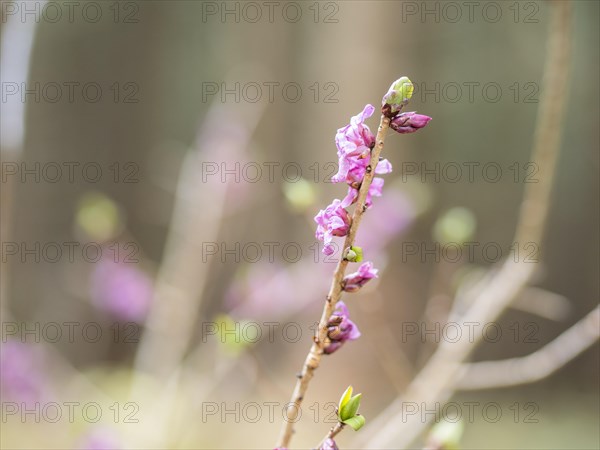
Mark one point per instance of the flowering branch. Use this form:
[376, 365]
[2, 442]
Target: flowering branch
[313, 359]
[359, 153]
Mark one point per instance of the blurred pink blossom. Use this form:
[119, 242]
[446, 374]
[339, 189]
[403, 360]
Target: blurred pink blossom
[22, 373]
[121, 289]
[100, 438]
[393, 215]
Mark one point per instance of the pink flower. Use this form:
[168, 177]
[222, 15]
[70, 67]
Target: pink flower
[375, 190]
[24, 375]
[100, 439]
[409, 122]
[331, 221]
[121, 289]
[354, 142]
[341, 328]
[354, 281]
[329, 444]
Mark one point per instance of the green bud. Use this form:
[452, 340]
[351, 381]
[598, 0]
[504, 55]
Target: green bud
[400, 91]
[356, 422]
[355, 254]
[345, 398]
[397, 96]
[351, 255]
[359, 253]
[350, 408]
[405, 87]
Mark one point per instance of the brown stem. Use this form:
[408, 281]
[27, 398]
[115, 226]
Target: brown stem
[313, 358]
[333, 432]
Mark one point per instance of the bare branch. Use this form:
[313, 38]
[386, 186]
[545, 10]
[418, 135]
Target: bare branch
[536, 366]
[542, 303]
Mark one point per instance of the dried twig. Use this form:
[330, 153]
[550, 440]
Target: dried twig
[536, 366]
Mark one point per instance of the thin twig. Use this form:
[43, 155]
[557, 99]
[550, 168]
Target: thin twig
[545, 304]
[536, 366]
[313, 358]
[333, 432]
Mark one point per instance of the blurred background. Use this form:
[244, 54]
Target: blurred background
[162, 162]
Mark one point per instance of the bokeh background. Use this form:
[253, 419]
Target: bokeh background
[177, 104]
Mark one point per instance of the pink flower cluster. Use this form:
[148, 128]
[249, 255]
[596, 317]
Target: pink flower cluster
[122, 290]
[340, 328]
[332, 221]
[329, 444]
[354, 143]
